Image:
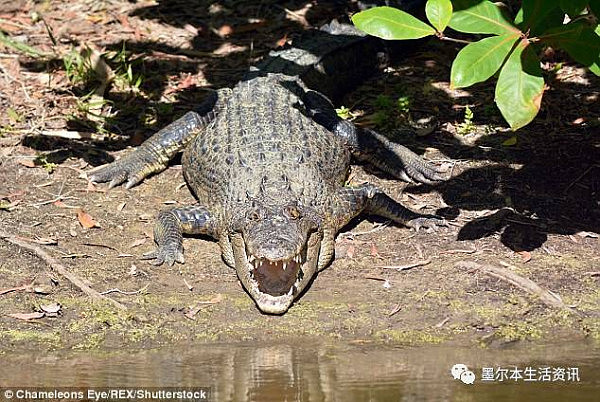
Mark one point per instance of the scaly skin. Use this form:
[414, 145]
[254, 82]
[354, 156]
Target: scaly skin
[268, 165]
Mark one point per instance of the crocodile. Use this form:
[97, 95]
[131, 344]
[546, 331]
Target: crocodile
[267, 161]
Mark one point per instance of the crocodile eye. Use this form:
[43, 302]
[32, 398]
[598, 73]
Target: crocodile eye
[292, 212]
[254, 216]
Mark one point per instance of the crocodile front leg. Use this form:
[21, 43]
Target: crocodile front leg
[156, 152]
[351, 201]
[170, 226]
[348, 202]
[371, 147]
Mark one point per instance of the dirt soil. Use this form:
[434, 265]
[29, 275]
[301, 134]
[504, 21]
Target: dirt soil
[525, 204]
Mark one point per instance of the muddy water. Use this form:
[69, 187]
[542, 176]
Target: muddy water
[318, 372]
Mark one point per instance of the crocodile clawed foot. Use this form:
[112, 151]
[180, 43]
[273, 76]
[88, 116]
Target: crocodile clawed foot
[127, 169]
[424, 171]
[431, 222]
[168, 255]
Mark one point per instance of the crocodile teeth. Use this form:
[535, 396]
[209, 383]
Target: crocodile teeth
[284, 265]
[251, 258]
[291, 290]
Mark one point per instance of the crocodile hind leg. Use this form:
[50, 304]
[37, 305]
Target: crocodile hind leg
[371, 147]
[154, 154]
[170, 226]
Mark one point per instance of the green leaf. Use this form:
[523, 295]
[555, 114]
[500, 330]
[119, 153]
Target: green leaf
[595, 68]
[21, 47]
[439, 13]
[538, 15]
[579, 40]
[510, 141]
[520, 86]
[391, 23]
[573, 7]
[479, 16]
[478, 61]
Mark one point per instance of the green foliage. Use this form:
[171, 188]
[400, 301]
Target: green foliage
[390, 111]
[384, 102]
[467, 126]
[439, 13]
[403, 104]
[344, 113]
[479, 60]
[78, 66]
[123, 69]
[391, 23]
[79, 69]
[511, 49]
[520, 86]
[480, 17]
[13, 115]
[43, 161]
[21, 47]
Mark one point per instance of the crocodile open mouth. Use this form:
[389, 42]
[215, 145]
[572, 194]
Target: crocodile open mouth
[276, 278]
[275, 283]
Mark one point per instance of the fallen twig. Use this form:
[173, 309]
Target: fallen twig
[579, 178]
[16, 289]
[517, 280]
[409, 266]
[395, 310]
[82, 135]
[458, 251]
[117, 290]
[351, 235]
[193, 310]
[61, 269]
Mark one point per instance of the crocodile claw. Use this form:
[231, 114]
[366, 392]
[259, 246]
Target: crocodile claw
[165, 254]
[422, 171]
[129, 169]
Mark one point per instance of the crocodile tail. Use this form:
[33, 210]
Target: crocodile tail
[337, 57]
[332, 60]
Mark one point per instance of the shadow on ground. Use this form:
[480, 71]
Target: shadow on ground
[547, 183]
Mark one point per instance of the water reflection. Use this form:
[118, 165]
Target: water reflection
[306, 371]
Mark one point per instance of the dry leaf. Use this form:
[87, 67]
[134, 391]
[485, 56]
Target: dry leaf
[525, 255]
[281, 42]
[350, 252]
[224, 31]
[374, 251]
[27, 162]
[193, 310]
[86, 220]
[46, 241]
[137, 242]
